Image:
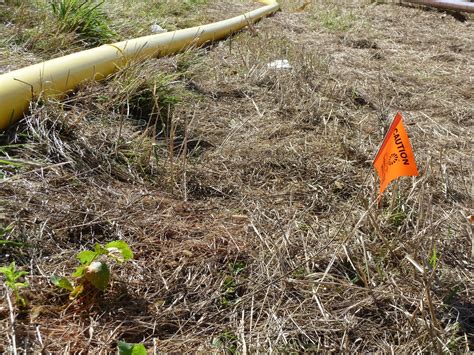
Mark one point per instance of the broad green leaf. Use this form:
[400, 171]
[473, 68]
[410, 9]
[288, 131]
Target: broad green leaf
[119, 246]
[86, 256]
[80, 270]
[100, 250]
[139, 349]
[62, 282]
[11, 276]
[9, 271]
[125, 348]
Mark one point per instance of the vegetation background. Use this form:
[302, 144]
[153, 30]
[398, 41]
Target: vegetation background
[246, 193]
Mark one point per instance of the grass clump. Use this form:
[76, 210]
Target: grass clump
[230, 289]
[5, 233]
[84, 17]
[335, 20]
[147, 103]
[227, 341]
[169, 14]
[155, 97]
[9, 166]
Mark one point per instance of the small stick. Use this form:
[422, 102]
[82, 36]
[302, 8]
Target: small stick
[12, 320]
[185, 158]
[395, 192]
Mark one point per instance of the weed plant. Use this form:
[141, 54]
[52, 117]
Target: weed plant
[14, 280]
[84, 17]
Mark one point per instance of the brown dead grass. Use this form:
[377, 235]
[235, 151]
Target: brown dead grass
[252, 213]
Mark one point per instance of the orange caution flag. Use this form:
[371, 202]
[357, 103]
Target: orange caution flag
[395, 157]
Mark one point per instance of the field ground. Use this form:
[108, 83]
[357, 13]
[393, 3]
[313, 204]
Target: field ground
[246, 193]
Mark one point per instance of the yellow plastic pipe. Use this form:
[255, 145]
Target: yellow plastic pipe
[58, 76]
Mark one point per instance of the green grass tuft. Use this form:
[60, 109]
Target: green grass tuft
[84, 17]
[335, 20]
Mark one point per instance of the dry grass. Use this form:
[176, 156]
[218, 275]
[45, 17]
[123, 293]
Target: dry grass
[247, 194]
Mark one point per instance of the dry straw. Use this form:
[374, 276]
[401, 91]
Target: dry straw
[245, 192]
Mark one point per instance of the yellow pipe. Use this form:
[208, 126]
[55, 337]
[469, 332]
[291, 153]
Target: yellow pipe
[58, 76]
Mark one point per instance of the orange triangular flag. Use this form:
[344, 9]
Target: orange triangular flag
[395, 157]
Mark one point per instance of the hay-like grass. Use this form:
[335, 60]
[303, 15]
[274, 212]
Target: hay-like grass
[248, 196]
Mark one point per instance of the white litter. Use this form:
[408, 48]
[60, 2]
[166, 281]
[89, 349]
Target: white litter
[280, 64]
[155, 28]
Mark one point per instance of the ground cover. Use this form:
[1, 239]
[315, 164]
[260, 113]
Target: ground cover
[245, 193]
